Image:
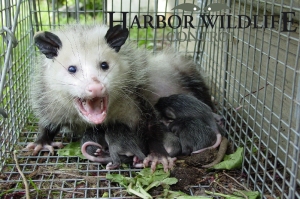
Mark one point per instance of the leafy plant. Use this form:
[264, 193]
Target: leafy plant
[72, 149]
[232, 161]
[146, 180]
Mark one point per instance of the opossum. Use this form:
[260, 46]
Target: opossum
[169, 73]
[94, 147]
[121, 149]
[84, 80]
[164, 146]
[88, 76]
[122, 141]
[192, 121]
[189, 112]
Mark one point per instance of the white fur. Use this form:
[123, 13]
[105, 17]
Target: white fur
[164, 74]
[54, 88]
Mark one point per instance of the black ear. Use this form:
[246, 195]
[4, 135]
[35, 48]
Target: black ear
[116, 37]
[170, 113]
[48, 43]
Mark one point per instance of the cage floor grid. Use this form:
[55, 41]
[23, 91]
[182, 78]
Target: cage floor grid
[54, 176]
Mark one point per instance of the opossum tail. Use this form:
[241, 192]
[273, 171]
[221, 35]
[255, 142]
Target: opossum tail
[99, 159]
[219, 138]
[221, 153]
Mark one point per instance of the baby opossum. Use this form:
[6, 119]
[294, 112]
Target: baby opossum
[169, 73]
[122, 141]
[84, 80]
[192, 121]
[95, 146]
[163, 146]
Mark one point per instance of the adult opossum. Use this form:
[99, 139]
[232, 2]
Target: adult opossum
[88, 76]
[83, 80]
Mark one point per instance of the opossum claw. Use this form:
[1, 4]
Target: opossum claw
[166, 161]
[37, 147]
[97, 152]
[111, 166]
[220, 120]
[137, 163]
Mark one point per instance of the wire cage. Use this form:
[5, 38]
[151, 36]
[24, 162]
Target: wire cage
[253, 73]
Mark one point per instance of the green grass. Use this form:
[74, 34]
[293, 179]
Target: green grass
[61, 14]
[147, 38]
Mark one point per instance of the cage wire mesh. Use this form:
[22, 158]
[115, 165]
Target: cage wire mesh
[253, 74]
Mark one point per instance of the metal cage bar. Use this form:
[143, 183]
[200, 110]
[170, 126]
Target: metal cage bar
[253, 75]
[259, 102]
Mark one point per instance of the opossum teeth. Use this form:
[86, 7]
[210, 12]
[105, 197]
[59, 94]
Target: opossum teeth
[102, 105]
[93, 110]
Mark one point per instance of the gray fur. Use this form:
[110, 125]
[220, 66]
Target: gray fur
[134, 80]
[51, 93]
[191, 120]
[54, 90]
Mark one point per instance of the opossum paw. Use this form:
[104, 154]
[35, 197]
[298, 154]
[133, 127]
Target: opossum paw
[98, 152]
[137, 163]
[166, 161]
[111, 166]
[37, 147]
[220, 120]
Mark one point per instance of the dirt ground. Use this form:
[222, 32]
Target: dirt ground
[192, 179]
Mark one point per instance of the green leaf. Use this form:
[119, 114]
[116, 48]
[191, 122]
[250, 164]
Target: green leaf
[153, 184]
[146, 172]
[122, 180]
[141, 190]
[146, 180]
[105, 195]
[194, 197]
[72, 149]
[232, 161]
[170, 181]
[249, 194]
[181, 195]
[137, 193]
[238, 195]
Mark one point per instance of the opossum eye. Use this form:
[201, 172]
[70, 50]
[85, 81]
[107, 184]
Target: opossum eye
[72, 69]
[104, 65]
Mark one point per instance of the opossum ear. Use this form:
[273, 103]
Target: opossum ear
[48, 43]
[116, 37]
[170, 113]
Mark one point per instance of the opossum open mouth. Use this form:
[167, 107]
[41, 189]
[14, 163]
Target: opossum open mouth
[94, 110]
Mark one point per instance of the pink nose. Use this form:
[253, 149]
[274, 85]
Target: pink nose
[95, 90]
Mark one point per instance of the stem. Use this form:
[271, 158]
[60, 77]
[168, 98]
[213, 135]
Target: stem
[22, 175]
[246, 197]
[217, 194]
[236, 181]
